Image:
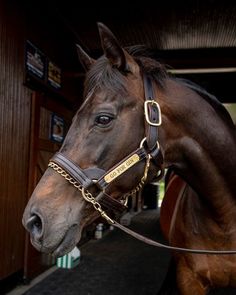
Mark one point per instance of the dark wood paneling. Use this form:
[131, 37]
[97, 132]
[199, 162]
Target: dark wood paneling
[42, 149]
[18, 24]
[14, 141]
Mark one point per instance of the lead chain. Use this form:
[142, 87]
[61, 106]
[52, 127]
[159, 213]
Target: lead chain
[85, 193]
[141, 183]
[89, 197]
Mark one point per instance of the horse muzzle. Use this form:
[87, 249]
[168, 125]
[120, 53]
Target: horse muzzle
[53, 240]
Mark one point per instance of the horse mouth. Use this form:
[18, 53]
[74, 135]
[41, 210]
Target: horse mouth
[65, 244]
[68, 242]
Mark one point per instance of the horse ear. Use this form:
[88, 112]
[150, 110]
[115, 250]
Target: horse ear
[112, 50]
[84, 58]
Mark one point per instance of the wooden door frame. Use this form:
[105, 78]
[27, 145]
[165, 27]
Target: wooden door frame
[38, 101]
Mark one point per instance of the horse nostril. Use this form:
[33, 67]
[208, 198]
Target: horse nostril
[34, 225]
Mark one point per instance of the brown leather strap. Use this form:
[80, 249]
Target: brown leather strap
[161, 245]
[74, 171]
[152, 131]
[140, 152]
[86, 176]
[154, 117]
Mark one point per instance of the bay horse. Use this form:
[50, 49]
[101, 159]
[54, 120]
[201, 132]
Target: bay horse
[136, 120]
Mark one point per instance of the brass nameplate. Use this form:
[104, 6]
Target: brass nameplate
[121, 168]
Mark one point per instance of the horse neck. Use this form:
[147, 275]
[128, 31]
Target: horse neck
[199, 145]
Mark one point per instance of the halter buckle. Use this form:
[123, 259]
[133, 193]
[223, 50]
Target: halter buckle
[147, 115]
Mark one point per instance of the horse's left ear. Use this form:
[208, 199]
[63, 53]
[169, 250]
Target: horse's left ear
[84, 58]
[117, 56]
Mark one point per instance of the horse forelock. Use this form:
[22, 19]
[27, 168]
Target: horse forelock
[103, 75]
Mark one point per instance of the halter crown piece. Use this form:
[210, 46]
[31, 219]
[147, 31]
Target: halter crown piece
[83, 179]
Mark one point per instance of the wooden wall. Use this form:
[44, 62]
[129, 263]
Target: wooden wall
[14, 141]
[18, 24]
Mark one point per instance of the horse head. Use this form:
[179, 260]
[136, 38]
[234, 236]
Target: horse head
[108, 136]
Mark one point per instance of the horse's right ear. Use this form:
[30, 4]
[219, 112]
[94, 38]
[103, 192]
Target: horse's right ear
[117, 56]
[84, 58]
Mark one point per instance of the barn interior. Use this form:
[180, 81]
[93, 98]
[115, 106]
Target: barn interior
[196, 40]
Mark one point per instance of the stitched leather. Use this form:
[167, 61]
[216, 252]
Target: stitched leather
[152, 131]
[72, 169]
[140, 152]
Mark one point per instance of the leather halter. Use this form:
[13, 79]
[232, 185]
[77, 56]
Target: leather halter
[149, 149]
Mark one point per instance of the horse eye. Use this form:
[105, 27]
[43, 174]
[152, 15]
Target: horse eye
[103, 120]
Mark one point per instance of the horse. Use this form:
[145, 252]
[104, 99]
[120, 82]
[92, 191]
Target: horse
[137, 120]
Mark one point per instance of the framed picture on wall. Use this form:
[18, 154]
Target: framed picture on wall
[35, 61]
[54, 75]
[57, 128]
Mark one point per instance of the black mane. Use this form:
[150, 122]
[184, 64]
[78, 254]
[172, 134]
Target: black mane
[210, 98]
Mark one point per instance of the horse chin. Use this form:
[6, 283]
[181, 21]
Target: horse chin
[65, 244]
[69, 241]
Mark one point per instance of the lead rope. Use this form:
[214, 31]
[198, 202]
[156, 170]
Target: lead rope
[89, 198]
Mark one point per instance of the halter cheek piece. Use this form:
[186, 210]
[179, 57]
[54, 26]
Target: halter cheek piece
[83, 179]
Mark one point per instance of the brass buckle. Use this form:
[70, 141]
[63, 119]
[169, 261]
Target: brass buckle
[146, 113]
[143, 141]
